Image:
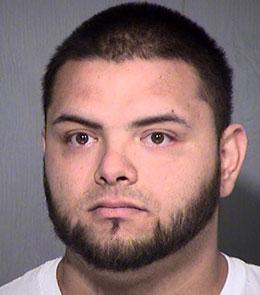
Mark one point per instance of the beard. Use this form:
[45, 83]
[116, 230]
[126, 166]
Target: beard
[118, 255]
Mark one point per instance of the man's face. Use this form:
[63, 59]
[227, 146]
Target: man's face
[131, 159]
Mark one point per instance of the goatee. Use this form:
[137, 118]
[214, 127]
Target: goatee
[118, 255]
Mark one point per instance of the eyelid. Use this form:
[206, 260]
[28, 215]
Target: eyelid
[79, 130]
[170, 135]
[69, 135]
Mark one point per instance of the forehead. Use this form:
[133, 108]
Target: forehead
[135, 86]
[158, 74]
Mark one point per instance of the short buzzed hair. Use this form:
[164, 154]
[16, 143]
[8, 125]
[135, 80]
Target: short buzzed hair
[148, 31]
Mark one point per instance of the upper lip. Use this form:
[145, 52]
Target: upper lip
[116, 204]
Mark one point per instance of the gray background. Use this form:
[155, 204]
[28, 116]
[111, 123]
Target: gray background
[29, 32]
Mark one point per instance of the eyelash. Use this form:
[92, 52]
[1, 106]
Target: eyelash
[68, 138]
[170, 138]
[71, 139]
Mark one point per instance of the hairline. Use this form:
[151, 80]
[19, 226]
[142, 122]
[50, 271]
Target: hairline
[202, 93]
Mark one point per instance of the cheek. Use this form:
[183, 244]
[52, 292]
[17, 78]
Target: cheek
[175, 180]
[68, 177]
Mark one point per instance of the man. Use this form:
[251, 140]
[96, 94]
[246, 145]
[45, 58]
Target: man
[138, 150]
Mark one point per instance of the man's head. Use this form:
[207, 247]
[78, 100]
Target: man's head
[149, 31]
[137, 149]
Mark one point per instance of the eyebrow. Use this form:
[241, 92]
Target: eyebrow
[160, 119]
[135, 124]
[77, 119]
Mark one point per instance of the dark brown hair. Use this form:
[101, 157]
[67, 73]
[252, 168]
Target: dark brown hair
[143, 30]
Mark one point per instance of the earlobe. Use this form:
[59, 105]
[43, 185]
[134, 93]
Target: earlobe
[43, 137]
[232, 153]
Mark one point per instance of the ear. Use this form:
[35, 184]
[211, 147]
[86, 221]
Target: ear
[233, 146]
[43, 137]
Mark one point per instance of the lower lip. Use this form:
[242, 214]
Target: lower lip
[119, 212]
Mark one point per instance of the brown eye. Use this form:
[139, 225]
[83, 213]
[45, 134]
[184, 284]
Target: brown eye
[82, 138]
[157, 137]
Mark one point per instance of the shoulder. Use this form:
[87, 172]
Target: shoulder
[35, 281]
[242, 278]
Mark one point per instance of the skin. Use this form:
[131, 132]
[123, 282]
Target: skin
[121, 157]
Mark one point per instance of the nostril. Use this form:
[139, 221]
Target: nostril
[115, 169]
[121, 178]
[103, 180]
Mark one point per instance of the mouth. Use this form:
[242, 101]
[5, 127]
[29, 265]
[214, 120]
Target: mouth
[116, 209]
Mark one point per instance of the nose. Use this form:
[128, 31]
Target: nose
[114, 169]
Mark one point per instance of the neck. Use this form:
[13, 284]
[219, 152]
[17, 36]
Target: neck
[198, 266]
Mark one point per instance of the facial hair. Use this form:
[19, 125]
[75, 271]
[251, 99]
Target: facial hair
[119, 255]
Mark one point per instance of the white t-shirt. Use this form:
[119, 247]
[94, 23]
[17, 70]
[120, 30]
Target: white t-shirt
[39, 281]
[242, 279]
